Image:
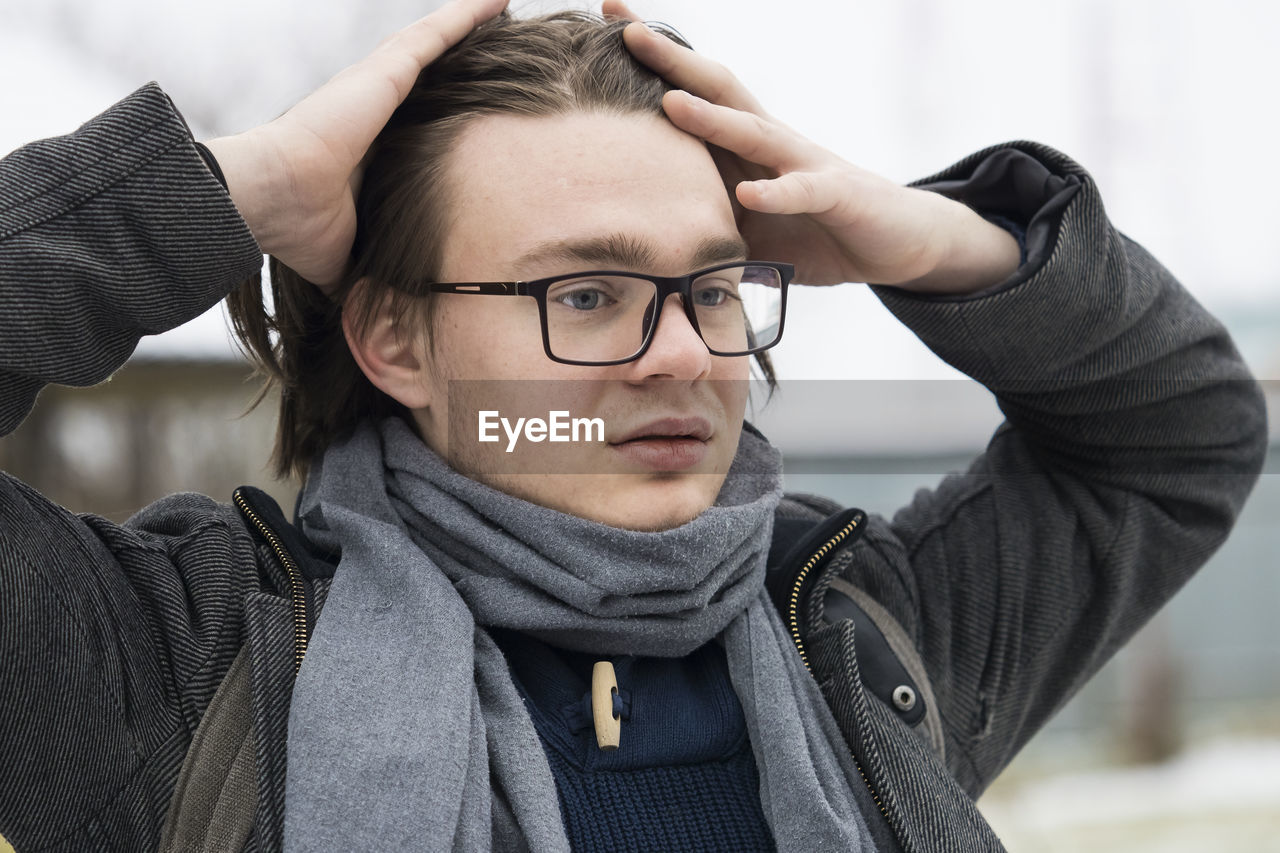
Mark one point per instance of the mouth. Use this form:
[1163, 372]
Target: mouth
[698, 429]
[667, 444]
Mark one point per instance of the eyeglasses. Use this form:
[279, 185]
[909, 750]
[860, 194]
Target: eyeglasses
[605, 317]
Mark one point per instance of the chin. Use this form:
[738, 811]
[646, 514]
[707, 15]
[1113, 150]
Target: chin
[651, 524]
[629, 501]
[657, 503]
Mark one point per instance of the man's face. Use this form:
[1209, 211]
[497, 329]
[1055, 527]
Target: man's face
[539, 197]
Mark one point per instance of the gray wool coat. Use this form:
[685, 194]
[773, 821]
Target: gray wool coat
[1133, 435]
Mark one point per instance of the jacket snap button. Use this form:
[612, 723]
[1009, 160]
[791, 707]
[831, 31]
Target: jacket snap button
[904, 698]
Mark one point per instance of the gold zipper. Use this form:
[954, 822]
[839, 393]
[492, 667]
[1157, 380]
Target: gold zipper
[793, 624]
[295, 580]
[793, 606]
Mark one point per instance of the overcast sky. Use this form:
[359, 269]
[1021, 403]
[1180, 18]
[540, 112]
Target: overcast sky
[1169, 103]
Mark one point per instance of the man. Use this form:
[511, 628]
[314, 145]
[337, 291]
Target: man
[441, 661]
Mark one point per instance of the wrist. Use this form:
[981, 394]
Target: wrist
[243, 174]
[978, 253]
[211, 163]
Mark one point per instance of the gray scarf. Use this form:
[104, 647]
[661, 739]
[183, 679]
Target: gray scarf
[406, 731]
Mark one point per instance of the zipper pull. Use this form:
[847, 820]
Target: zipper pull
[604, 687]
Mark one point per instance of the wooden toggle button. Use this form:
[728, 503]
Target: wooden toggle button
[604, 685]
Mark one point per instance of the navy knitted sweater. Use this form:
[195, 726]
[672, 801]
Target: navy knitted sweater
[683, 777]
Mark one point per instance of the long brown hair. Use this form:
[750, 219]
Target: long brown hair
[545, 66]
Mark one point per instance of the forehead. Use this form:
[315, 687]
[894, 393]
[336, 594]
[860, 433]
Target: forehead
[519, 186]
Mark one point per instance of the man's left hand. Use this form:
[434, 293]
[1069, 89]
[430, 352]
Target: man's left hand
[798, 202]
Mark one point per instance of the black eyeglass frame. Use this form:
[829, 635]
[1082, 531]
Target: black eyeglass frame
[682, 285]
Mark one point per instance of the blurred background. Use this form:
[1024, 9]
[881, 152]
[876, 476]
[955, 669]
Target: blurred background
[1172, 107]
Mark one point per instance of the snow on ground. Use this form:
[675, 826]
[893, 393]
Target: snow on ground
[1218, 798]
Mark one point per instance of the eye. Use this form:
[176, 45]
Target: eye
[713, 293]
[582, 296]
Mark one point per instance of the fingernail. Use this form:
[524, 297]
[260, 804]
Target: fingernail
[692, 103]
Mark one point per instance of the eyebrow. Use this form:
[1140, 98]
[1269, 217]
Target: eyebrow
[628, 251]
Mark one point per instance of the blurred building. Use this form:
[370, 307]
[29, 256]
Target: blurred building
[159, 426]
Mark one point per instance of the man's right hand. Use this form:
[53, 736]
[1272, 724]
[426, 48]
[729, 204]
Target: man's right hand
[295, 179]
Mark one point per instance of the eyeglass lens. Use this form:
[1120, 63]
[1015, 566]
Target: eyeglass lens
[608, 318]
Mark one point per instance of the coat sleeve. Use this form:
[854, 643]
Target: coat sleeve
[1133, 433]
[113, 232]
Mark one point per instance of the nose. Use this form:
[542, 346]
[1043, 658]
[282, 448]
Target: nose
[677, 350]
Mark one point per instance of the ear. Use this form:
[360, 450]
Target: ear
[394, 358]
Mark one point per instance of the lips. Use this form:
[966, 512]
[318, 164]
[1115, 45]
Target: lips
[667, 444]
[695, 428]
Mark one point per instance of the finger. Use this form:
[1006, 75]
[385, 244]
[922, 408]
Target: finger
[350, 110]
[793, 193]
[618, 9]
[403, 55]
[688, 70]
[754, 139]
